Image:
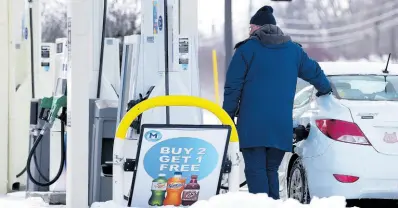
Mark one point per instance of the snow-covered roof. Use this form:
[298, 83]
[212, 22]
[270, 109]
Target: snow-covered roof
[341, 68]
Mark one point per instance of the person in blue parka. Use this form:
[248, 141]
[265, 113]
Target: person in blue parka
[261, 84]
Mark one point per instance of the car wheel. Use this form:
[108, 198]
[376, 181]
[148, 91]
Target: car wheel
[297, 183]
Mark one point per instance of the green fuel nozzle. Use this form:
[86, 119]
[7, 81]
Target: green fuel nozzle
[58, 103]
[54, 105]
[46, 103]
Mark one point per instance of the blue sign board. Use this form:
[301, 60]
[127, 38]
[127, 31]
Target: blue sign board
[181, 159]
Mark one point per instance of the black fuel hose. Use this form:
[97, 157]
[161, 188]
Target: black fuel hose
[21, 173]
[61, 165]
[37, 167]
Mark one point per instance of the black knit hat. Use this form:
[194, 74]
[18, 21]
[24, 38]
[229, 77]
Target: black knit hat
[263, 16]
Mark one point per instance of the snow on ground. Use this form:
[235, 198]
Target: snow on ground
[245, 199]
[229, 200]
[17, 200]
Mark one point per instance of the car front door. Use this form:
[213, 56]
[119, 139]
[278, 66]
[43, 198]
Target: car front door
[301, 103]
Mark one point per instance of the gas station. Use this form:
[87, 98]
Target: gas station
[100, 130]
[83, 122]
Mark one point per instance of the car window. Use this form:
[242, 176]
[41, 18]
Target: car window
[365, 87]
[303, 97]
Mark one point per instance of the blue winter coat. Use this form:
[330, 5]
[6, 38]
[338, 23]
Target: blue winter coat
[261, 81]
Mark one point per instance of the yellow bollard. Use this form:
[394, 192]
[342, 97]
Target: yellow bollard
[215, 77]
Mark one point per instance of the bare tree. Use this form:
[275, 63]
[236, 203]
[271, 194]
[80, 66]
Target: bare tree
[122, 19]
[53, 25]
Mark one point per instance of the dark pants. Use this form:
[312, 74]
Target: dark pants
[261, 170]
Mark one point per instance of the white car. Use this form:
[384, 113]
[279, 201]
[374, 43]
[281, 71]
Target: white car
[352, 147]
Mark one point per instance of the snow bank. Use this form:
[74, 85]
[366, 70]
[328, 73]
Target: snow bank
[108, 204]
[25, 203]
[229, 200]
[244, 199]
[17, 200]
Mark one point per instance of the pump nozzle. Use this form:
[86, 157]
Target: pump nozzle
[46, 102]
[56, 104]
[45, 107]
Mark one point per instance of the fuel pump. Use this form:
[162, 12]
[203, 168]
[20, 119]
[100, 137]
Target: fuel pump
[52, 108]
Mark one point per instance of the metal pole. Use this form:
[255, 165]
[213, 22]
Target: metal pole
[81, 61]
[166, 59]
[32, 49]
[228, 38]
[250, 9]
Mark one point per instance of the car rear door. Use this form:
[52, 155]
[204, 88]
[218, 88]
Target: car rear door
[378, 120]
[373, 102]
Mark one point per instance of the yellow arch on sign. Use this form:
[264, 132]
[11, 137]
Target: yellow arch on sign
[175, 100]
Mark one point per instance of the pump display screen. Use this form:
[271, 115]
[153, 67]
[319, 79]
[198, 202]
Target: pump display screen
[59, 47]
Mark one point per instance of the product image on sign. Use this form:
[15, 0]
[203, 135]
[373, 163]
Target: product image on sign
[158, 190]
[174, 191]
[190, 194]
[175, 186]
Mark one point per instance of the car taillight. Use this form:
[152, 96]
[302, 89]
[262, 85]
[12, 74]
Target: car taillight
[342, 131]
[345, 178]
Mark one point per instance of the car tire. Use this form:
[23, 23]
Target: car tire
[297, 183]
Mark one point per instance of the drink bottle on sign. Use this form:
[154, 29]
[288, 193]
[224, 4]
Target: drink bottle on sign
[158, 190]
[175, 186]
[190, 194]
